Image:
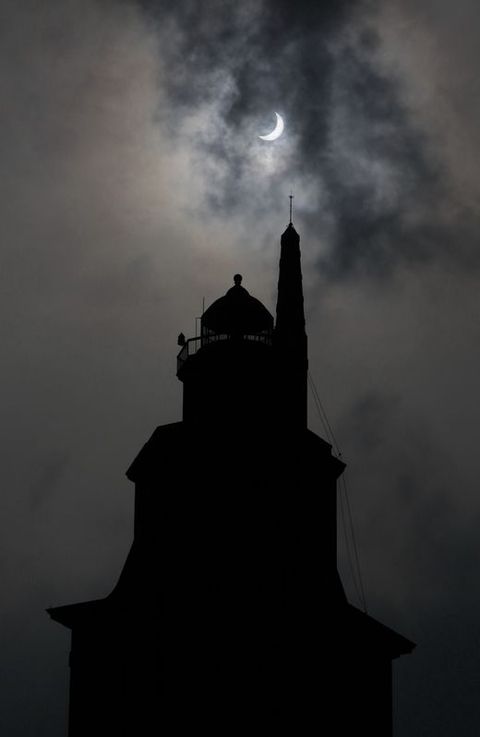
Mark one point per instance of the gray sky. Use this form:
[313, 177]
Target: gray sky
[134, 184]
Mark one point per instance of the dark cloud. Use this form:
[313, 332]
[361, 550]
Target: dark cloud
[361, 155]
[241, 62]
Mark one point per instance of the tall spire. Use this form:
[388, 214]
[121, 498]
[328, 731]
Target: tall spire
[290, 311]
[290, 335]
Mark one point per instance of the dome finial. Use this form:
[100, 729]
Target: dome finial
[237, 280]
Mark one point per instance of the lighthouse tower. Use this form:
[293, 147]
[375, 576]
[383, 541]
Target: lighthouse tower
[229, 615]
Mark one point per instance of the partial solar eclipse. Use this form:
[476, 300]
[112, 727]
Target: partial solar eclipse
[277, 131]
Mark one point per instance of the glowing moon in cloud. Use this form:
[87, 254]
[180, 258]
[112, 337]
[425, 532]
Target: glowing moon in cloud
[277, 131]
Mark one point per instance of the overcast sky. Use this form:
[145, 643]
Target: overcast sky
[133, 185]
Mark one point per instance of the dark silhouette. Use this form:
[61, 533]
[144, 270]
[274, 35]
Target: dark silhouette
[229, 615]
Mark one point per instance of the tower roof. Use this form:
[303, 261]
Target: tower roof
[237, 313]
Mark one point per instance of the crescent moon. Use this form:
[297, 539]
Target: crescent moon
[277, 131]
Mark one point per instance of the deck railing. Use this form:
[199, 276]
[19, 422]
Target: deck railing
[193, 345]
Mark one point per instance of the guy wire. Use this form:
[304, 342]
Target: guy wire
[346, 518]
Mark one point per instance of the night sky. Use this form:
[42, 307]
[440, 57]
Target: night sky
[134, 184]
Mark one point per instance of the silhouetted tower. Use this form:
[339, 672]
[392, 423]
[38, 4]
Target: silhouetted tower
[229, 615]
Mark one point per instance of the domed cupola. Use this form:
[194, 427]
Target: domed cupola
[233, 356]
[236, 315]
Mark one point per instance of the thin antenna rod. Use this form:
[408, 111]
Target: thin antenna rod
[291, 206]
